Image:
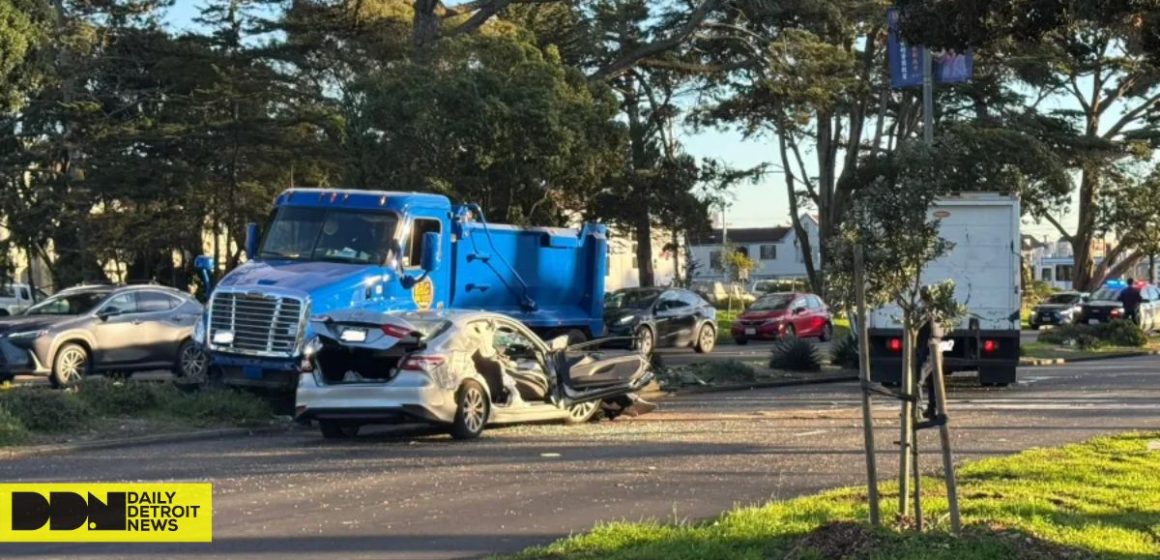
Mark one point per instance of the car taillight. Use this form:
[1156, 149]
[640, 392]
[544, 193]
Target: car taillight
[395, 331]
[990, 346]
[894, 344]
[425, 364]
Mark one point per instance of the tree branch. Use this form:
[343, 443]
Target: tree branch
[1058, 226]
[622, 64]
[1131, 116]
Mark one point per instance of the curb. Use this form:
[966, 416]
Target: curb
[177, 437]
[1032, 362]
[703, 389]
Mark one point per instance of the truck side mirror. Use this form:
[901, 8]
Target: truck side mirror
[432, 243]
[252, 238]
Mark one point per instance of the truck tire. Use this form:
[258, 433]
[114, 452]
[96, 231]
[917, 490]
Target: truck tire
[472, 411]
[1000, 376]
[576, 336]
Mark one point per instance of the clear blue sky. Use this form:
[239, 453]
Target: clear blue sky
[762, 204]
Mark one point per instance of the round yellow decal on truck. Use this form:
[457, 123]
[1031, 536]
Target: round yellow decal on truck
[423, 294]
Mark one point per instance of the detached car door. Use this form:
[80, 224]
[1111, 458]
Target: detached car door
[583, 373]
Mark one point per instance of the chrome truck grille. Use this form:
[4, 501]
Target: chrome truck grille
[261, 324]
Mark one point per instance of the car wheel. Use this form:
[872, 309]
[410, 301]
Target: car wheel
[706, 339]
[582, 412]
[472, 411]
[741, 341]
[332, 429]
[645, 340]
[790, 332]
[71, 364]
[827, 332]
[192, 363]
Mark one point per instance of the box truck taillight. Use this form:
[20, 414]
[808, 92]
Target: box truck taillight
[990, 346]
[894, 344]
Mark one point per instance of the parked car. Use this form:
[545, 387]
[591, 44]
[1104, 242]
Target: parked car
[1104, 306]
[15, 298]
[776, 315]
[103, 328]
[661, 317]
[1060, 309]
[461, 369]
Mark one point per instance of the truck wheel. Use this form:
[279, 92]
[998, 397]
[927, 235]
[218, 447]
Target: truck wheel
[472, 411]
[576, 336]
[70, 365]
[706, 339]
[332, 429]
[997, 376]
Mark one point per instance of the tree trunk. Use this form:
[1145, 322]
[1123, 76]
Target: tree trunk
[644, 251]
[425, 25]
[1081, 243]
[815, 279]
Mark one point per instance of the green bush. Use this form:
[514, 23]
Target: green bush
[1088, 337]
[844, 353]
[729, 370]
[795, 354]
[12, 432]
[130, 398]
[1122, 333]
[45, 410]
[219, 406]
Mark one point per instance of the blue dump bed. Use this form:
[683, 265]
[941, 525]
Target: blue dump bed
[549, 278]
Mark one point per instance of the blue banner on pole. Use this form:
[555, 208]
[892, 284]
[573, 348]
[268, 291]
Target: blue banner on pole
[947, 67]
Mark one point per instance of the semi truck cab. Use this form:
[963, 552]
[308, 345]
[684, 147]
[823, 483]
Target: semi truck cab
[325, 250]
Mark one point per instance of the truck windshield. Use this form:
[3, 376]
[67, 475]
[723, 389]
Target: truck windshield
[328, 234]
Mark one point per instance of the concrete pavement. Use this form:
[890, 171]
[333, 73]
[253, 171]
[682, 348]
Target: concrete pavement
[416, 494]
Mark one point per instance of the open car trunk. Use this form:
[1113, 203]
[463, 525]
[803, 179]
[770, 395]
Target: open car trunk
[359, 351]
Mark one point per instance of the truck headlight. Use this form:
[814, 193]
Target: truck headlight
[223, 337]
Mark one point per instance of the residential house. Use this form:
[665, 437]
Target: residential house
[775, 249]
[624, 269]
[1053, 262]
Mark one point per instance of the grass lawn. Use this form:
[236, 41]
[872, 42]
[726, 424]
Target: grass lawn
[1045, 351]
[1099, 499]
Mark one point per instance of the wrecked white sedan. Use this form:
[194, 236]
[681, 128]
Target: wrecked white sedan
[462, 369]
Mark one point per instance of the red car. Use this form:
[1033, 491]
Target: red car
[776, 315]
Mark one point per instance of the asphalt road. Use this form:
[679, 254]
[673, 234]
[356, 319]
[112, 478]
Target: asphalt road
[757, 350]
[416, 494]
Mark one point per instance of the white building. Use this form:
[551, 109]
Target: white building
[775, 249]
[624, 269]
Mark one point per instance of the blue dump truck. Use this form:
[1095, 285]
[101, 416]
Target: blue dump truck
[324, 250]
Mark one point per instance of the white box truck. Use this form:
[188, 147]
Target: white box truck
[985, 266]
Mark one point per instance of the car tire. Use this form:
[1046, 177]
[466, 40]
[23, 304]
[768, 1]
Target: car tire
[192, 363]
[71, 364]
[706, 339]
[471, 412]
[646, 340]
[790, 332]
[582, 413]
[827, 332]
[333, 429]
[741, 341]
